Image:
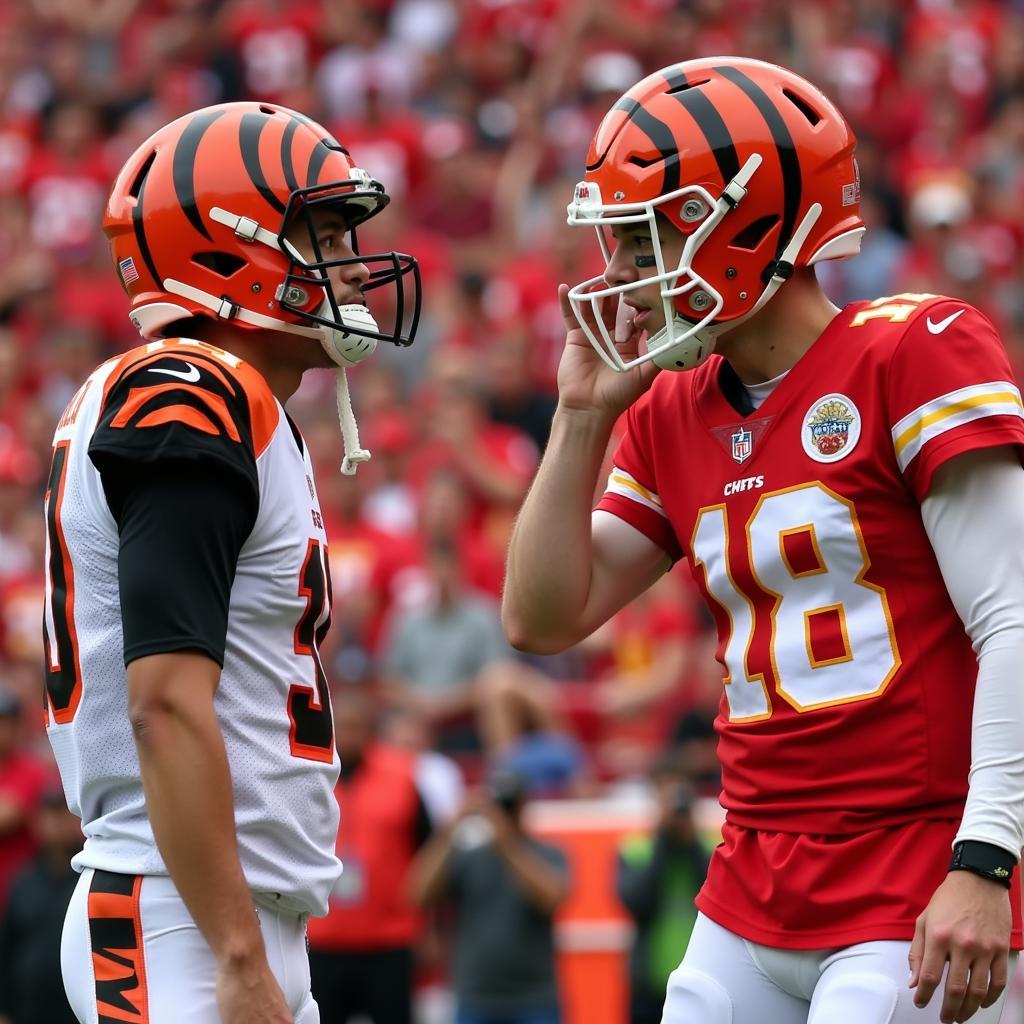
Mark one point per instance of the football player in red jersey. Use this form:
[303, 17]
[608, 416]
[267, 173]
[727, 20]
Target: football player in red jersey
[846, 488]
[188, 583]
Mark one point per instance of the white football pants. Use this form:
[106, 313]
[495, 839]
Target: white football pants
[131, 952]
[724, 979]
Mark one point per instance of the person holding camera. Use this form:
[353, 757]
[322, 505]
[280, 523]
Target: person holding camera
[659, 874]
[504, 886]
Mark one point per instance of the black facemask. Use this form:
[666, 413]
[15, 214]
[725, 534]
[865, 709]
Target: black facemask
[386, 268]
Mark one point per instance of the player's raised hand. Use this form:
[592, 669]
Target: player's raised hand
[585, 381]
[248, 993]
[967, 925]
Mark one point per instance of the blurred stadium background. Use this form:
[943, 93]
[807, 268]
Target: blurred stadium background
[476, 115]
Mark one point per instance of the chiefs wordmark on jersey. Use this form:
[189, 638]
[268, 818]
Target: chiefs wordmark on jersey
[849, 679]
[186, 401]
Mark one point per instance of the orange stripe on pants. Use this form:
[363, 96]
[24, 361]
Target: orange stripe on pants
[115, 935]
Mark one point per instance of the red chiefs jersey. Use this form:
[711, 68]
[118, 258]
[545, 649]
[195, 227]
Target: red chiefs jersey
[845, 727]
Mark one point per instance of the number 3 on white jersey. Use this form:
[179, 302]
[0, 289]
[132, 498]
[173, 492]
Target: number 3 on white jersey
[836, 586]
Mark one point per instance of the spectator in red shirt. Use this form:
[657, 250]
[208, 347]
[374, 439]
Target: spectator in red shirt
[391, 504]
[402, 581]
[356, 549]
[495, 461]
[361, 953]
[386, 140]
[525, 286]
[66, 182]
[641, 662]
[853, 62]
[278, 43]
[512, 398]
[19, 473]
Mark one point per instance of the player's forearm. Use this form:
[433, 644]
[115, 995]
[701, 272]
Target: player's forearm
[187, 783]
[549, 560]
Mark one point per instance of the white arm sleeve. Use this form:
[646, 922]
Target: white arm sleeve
[974, 518]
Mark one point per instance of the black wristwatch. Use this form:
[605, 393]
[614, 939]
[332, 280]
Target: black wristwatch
[985, 859]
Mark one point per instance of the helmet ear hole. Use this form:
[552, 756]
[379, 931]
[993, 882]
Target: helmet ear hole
[224, 264]
[754, 233]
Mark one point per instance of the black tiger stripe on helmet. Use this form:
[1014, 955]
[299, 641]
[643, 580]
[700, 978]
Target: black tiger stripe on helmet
[184, 167]
[250, 128]
[789, 160]
[138, 220]
[708, 119]
[287, 159]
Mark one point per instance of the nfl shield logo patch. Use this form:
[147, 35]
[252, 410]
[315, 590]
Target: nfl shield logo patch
[742, 445]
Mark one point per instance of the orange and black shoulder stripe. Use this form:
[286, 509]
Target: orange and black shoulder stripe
[118, 954]
[186, 401]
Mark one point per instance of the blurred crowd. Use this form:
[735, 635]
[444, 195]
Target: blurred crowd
[476, 114]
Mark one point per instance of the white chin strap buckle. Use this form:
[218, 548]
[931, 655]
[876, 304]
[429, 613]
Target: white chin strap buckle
[686, 354]
[344, 347]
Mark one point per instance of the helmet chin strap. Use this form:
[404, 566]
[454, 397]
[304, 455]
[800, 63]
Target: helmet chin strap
[347, 349]
[695, 349]
[354, 454]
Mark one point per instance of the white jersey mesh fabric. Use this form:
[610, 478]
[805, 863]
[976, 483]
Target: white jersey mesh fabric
[286, 815]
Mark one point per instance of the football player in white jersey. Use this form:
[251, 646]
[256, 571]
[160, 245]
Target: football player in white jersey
[187, 573]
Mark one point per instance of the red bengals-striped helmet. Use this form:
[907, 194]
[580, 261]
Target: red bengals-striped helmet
[197, 221]
[753, 164]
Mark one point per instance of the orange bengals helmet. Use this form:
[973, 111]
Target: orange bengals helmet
[753, 164]
[197, 223]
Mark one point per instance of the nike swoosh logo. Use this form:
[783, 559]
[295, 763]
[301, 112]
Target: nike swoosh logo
[943, 324]
[191, 375]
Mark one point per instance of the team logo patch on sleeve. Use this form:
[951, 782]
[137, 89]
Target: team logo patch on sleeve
[830, 428]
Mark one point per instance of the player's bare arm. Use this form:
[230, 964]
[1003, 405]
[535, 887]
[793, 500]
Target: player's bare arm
[188, 794]
[563, 578]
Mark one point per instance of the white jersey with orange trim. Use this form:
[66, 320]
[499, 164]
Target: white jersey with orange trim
[849, 677]
[189, 403]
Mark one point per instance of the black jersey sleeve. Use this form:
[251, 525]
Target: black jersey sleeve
[177, 407]
[181, 529]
